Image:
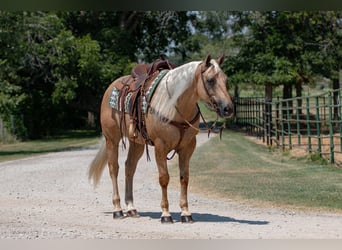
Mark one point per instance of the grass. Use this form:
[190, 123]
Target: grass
[237, 168]
[67, 141]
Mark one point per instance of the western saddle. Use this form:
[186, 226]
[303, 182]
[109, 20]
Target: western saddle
[135, 86]
[142, 72]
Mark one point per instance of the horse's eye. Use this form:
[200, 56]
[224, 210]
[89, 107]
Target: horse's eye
[211, 80]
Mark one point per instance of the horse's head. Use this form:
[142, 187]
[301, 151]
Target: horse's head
[213, 92]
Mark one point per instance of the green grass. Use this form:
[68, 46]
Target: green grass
[237, 168]
[66, 141]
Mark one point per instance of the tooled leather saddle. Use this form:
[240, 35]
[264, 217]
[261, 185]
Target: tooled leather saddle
[132, 99]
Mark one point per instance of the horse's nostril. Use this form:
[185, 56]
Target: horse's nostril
[224, 110]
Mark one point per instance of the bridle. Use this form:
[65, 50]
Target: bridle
[213, 105]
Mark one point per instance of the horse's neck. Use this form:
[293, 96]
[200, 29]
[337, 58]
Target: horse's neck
[187, 101]
[176, 90]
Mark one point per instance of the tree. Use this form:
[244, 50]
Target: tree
[55, 66]
[46, 72]
[285, 48]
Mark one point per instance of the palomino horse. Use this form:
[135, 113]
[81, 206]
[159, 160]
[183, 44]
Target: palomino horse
[171, 123]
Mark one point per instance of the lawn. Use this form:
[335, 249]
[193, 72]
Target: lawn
[66, 141]
[239, 169]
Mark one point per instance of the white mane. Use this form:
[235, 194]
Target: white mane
[171, 87]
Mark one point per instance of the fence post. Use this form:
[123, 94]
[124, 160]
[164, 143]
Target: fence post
[269, 121]
[282, 126]
[268, 100]
[288, 117]
[299, 111]
[259, 118]
[308, 123]
[340, 116]
[264, 121]
[331, 133]
[318, 127]
[235, 107]
[248, 117]
[277, 121]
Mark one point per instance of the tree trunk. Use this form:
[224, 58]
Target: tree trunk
[299, 88]
[268, 92]
[287, 94]
[336, 86]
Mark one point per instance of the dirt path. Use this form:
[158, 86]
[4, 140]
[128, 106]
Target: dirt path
[49, 197]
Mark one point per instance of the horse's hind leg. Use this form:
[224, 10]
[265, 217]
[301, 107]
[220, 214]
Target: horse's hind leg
[134, 154]
[112, 154]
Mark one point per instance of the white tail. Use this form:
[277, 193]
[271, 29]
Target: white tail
[98, 164]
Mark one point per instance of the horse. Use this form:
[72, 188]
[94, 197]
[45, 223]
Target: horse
[171, 124]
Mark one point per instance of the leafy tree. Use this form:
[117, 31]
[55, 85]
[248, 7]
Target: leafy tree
[55, 66]
[44, 66]
[286, 47]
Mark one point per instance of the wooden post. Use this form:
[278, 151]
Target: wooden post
[268, 113]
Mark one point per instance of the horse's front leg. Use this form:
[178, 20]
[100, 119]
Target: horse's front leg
[184, 159]
[164, 178]
[134, 154]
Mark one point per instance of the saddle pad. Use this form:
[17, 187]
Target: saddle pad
[114, 96]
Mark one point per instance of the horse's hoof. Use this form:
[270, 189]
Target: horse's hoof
[118, 214]
[166, 220]
[132, 213]
[187, 219]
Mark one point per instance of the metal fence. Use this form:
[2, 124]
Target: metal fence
[310, 124]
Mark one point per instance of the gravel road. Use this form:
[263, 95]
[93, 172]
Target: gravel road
[49, 197]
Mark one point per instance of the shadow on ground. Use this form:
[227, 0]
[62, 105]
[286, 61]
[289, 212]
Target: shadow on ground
[201, 217]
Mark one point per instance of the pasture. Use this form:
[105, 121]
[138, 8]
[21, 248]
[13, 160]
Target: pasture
[68, 140]
[238, 168]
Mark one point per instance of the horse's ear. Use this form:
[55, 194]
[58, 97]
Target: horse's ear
[220, 59]
[207, 60]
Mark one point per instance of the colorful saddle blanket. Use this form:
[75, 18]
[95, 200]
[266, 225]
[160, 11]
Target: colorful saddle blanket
[114, 100]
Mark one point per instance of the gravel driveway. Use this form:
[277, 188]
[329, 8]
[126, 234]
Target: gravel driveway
[49, 197]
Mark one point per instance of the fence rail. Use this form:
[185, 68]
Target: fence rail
[311, 124]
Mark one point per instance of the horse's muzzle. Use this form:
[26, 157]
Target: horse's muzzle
[225, 111]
